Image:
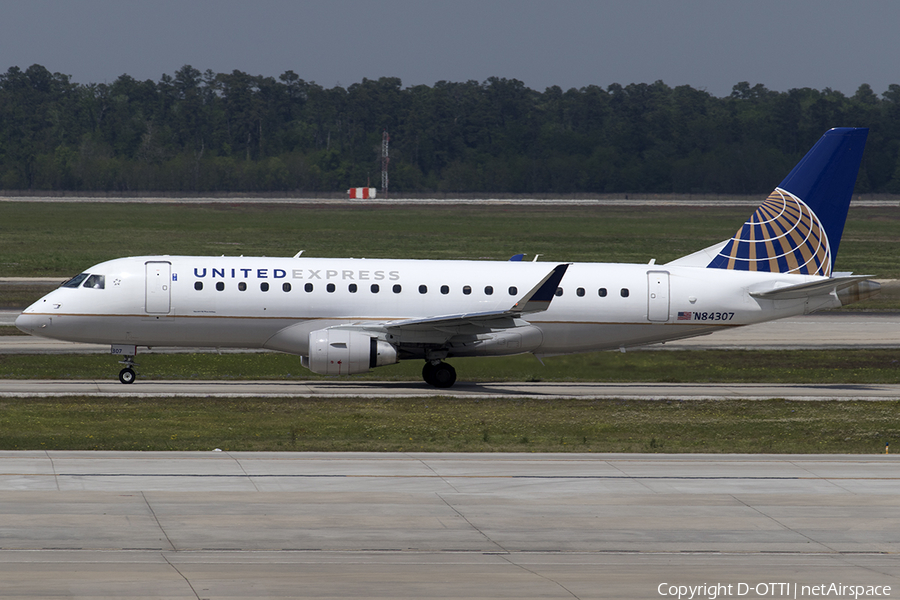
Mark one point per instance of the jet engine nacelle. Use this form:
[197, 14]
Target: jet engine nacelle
[342, 352]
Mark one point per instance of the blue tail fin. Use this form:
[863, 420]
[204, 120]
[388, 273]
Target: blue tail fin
[798, 228]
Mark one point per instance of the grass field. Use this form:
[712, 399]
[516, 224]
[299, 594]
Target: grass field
[683, 366]
[59, 240]
[443, 425]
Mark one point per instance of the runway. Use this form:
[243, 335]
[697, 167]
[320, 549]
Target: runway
[12, 388]
[289, 525]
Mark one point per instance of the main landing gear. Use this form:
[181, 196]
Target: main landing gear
[439, 374]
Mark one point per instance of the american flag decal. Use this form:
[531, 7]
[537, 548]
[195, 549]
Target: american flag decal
[684, 315]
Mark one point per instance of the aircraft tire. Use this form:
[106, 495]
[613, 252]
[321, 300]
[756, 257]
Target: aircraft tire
[428, 373]
[443, 375]
[127, 376]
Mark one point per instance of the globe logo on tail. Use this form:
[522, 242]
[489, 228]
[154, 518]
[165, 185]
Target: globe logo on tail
[784, 235]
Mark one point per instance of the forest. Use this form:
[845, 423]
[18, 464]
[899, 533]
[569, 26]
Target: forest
[211, 133]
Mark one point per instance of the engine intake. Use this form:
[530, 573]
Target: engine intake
[342, 352]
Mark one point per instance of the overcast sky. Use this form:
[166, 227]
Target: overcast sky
[707, 44]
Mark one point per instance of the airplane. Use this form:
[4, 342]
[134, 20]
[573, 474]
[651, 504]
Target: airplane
[347, 316]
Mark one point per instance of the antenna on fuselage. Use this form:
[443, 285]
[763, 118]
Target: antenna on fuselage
[299, 253]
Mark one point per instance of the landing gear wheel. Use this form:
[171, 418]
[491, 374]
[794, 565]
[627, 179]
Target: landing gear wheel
[428, 373]
[127, 375]
[440, 375]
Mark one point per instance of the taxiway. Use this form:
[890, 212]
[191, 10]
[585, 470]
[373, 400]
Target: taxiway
[223, 525]
[38, 388]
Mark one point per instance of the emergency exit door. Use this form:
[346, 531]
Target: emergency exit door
[158, 278]
[658, 296]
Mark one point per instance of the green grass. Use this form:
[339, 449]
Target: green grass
[447, 424]
[681, 366]
[61, 239]
[18, 296]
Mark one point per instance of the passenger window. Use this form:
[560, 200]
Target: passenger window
[264, 286]
[75, 281]
[488, 290]
[96, 282]
[467, 289]
[423, 289]
[559, 291]
[308, 287]
[220, 285]
[330, 288]
[602, 292]
[513, 290]
[445, 289]
[242, 286]
[198, 285]
[375, 288]
[397, 288]
[580, 292]
[624, 292]
[286, 287]
[352, 288]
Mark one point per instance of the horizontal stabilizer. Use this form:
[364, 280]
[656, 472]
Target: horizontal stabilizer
[818, 288]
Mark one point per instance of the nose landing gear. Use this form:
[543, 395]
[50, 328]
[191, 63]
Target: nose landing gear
[439, 374]
[127, 375]
[128, 352]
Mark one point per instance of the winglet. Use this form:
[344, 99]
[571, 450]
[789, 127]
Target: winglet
[539, 297]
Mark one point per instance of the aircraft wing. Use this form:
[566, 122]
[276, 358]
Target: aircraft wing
[536, 300]
[438, 328]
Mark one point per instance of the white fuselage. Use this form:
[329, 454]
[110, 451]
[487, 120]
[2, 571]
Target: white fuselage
[246, 302]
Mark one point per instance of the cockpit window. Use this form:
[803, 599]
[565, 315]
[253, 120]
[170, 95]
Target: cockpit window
[75, 281]
[96, 282]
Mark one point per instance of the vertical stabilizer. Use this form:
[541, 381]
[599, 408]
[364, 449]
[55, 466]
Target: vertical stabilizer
[799, 226]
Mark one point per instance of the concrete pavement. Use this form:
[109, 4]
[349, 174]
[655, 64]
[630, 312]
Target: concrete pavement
[281, 525]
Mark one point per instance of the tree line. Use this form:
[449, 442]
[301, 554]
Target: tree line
[234, 132]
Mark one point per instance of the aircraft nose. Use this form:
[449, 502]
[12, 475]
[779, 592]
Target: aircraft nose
[32, 324]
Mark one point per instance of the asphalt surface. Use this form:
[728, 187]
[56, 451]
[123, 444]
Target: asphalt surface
[292, 525]
[13, 388]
